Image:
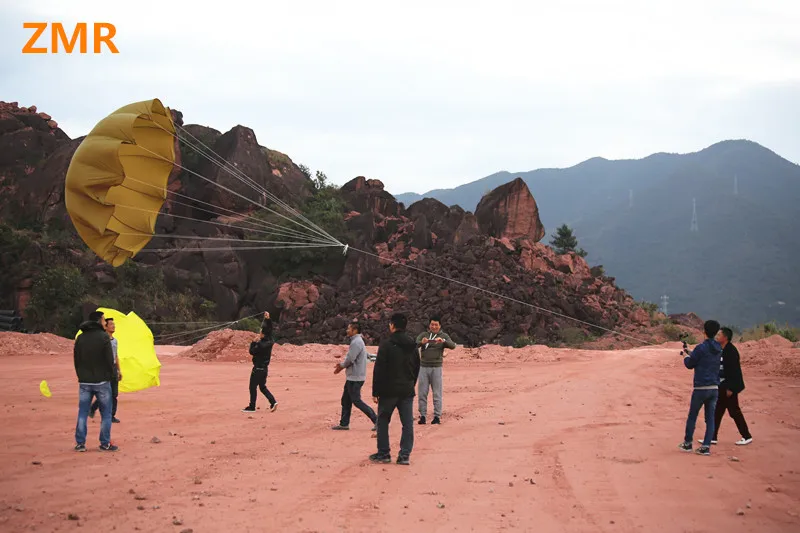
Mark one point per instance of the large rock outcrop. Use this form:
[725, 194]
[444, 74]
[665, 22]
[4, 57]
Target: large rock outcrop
[510, 211]
[429, 258]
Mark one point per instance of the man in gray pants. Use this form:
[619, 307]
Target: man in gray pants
[356, 365]
[431, 346]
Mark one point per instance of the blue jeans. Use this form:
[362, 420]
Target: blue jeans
[85, 395]
[405, 408]
[708, 400]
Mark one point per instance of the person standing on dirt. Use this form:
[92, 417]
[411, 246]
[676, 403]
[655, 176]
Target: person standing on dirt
[432, 345]
[261, 350]
[110, 328]
[730, 386]
[355, 366]
[393, 380]
[93, 358]
[705, 360]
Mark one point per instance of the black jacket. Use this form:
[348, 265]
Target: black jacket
[731, 369]
[261, 351]
[92, 354]
[396, 367]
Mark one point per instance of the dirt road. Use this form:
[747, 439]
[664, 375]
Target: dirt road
[588, 443]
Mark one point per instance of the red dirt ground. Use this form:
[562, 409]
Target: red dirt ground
[535, 439]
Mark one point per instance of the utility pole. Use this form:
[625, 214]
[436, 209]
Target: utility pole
[694, 227]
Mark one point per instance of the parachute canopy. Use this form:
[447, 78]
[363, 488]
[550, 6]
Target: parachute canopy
[136, 351]
[117, 179]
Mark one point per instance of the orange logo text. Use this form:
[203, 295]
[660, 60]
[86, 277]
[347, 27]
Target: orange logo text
[102, 33]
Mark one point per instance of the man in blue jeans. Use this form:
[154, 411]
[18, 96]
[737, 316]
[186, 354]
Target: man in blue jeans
[705, 360]
[94, 365]
[393, 381]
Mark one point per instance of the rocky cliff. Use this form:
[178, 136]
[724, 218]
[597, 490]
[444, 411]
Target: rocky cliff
[425, 259]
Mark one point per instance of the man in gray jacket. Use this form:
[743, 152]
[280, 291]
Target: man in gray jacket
[355, 366]
[431, 346]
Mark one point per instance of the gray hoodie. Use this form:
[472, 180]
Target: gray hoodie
[356, 360]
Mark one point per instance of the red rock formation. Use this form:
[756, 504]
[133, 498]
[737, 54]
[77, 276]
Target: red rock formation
[368, 195]
[510, 211]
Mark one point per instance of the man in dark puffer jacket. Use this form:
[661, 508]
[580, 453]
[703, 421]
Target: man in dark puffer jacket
[94, 365]
[393, 381]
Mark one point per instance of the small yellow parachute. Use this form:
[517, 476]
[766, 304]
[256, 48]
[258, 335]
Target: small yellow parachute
[136, 351]
[45, 389]
[116, 183]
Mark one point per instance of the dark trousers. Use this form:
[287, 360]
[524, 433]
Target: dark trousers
[405, 408]
[732, 405]
[707, 399]
[352, 396]
[114, 393]
[258, 380]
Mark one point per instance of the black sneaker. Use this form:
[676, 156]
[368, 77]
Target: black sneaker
[108, 447]
[436, 420]
[80, 447]
[273, 407]
[339, 427]
[421, 420]
[249, 409]
[703, 450]
[685, 446]
[380, 458]
[114, 420]
[402, 460]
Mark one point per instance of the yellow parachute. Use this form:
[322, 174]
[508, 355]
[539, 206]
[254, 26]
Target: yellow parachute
[117, 179]
[136, 351]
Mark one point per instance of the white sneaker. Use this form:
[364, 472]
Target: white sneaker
[701, 441]
[743, 441]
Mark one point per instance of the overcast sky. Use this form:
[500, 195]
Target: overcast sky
[432, 94]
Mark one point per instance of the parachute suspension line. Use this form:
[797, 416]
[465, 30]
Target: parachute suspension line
[212, 223]
[234, 170]
[218, 324]
[234, 239]
[280, 230]
[159, 156]
[237, 248]
[503, 296]
[242, 177]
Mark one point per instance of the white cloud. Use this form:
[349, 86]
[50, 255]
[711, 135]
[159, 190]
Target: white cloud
[432, 94]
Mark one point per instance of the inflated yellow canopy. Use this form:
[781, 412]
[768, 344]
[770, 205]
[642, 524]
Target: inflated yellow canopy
[136, 351]
[117, 179]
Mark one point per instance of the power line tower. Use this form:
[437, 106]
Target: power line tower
[736, 185]
[694, 227]
[630, 198]
[664, 303]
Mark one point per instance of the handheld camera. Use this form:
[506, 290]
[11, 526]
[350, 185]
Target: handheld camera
[683, 336]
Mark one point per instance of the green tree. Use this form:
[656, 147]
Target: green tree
[564, 242]
[321, 181]
[305, 170]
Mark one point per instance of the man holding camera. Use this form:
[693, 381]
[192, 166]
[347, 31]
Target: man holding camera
[705, 360]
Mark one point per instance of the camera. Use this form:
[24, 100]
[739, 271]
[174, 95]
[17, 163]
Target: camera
[683, 337]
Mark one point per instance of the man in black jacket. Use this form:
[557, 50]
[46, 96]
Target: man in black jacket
[261, 350]
[94, 365]
[730, 386]
[393, 381]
